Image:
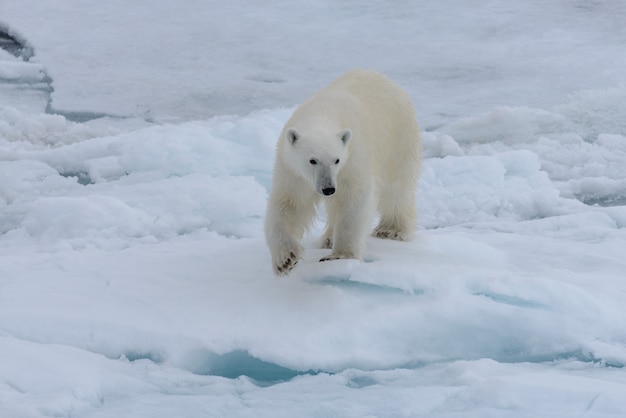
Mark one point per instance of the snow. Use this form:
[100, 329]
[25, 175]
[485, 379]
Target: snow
[136, 153]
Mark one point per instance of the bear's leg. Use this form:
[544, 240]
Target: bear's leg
[285, 223]
[352, 216]
[397, 209]
[326, 241]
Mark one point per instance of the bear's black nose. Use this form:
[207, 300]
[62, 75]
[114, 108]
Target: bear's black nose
[328, 191]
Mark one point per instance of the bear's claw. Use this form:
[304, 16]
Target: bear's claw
[340, 256]
[288, 264]
[389, 234]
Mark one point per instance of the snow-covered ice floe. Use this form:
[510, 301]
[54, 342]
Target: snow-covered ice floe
[134, 269]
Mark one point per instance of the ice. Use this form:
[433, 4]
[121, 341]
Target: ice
[136, 153]
[193, 60]
[509, 185]
[505, 124]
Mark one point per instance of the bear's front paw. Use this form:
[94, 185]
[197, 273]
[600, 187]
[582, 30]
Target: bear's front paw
[386, 233]
[339, 256]
[286, 261]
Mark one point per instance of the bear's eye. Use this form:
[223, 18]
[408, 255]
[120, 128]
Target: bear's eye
[337, 161]
[312, 161]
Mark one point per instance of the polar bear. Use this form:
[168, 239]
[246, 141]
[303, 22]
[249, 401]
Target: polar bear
[356, 145]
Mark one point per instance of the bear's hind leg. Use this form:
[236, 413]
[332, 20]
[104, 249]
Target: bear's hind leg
[349, 220]
[326, 241]
[397, 212]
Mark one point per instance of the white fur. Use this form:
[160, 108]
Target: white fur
[359, 137]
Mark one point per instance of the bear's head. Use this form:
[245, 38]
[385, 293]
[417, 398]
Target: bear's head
[317, 156]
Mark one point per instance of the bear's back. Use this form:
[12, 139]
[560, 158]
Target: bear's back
[370, 85]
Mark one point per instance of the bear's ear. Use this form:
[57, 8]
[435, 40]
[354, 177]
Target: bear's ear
[345, 136]
[292, 136]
